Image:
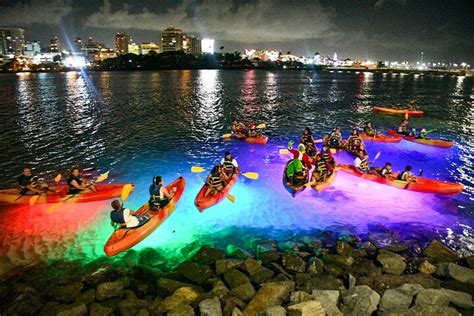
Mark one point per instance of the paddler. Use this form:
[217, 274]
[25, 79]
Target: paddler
[354, 142]
[77, 184]
[159, 194]
[335, 138]
[300, 154]
[252, 132]
[295, 172]
[229, 166]
[361, 163]
[424, 133]
[125, 217]
[386, 171]
[215, 181]
[369, 130]
[407, 175]
[403, 127]
[321, 171]
[29, 184]
[307, 138]
[327, 157]
[238, 127]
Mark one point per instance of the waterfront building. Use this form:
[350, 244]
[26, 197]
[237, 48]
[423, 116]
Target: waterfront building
[54, 45]
[12, 42]
[171, 40]
[146, 48]
[121, 43]
[133, 49]
[207, 45]
[186, 43]
[31, 49]
[195, 45]
[264, 54]
[78, 45]
[106, 53]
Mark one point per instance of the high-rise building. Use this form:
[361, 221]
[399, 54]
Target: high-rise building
[121, 43]
[195, 46]
[32, 49]
[171, 40]
[207, 45]
[54, 46]
[12, 41]
[186, 43]
[78, 45]
[146, 48]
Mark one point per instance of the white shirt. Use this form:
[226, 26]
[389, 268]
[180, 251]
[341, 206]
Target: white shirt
[234, 162]
[130, 220]
[357, 162]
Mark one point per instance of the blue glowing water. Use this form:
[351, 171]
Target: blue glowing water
[141, 124]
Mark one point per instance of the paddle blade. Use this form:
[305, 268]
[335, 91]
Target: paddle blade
[227, 135]
[103, 177]
[33, 199]
[263, 125]
[407, 115]
[251, 175]
[284, 151]
[58, 178]
[377, 156]
[316, 141]
[126, 190]
[197, 169]
[230, 197]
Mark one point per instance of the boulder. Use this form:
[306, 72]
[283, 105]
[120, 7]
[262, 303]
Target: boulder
[108, 290]
[270, 294]
[392, 263]
[431, 297]
[396, 247]
[207, 255]
[426, 267]
[293, 263]
[236, 312]
[470, 261]
[460, 299]
[389, 281]
[143, 312]
[457, 272]
[361, 300]
[315, 265]
[210, 307]
[87, 297]
[219, 289]
[100, 310]
[274, 311]
[333, 270]
[322, 282]
[181, 310]
[308, 308]
[236, 252]
[437, 252]
[66, 293]
[222, 265]
[76, 309]
[428, 310]
[329, 300]
[235, 278]
[339, 260]
[244, 291]
[279, 269]
[230, 303]
[182, 296]
[131, 306]
[300, 296]
[256, 271]
[394, 299]
[194, 272]
[168, 286]
[343, 248]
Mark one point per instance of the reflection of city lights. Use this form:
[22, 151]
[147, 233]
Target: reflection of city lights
[207, 45]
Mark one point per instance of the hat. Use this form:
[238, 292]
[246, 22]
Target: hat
[301, 148]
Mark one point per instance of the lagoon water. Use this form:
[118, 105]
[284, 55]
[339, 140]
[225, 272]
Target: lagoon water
[141, 124]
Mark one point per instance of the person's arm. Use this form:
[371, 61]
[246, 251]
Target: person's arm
[76, 185]
[357, 162]
[167, 193]
[208, 181]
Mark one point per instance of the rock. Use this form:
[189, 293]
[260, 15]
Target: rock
[322, 282]
[344, 249]
[150, 256]
[181, 310]
[129, 294]
[194, 272]
[361, 300]
[396, 247]
[333, 270]
[437, 252]
[143, 312]
[244, 291]
[219, 289]
[131, 307]
[274, 311]
[156, 307]
[428, 310]
[351, 281]
[234, 278]
[279, 269]
[461, 274]
[108, 290]
[299, 296]
[389, 281]
[66, 293]
[268, 256]
[236, 252]
[230, 303]
[210, 307]
[182, 296]
[338, 260]
[308, 308]
[426, 267]
[394, 299]
[392, 263]
[100, 274]
[100, 310]
[301, 278]
[365, 268]
[168, 286]
[431, 297]
[329, 300]
[460, 299]
[293, 263]
[76, 309]
[256, 272]
[207, 255]
[315, 265]
[270, 294]
[470, 261]
[222, 265]
[236, 312]
[87, 297]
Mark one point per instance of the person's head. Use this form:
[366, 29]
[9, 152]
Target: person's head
[318, 157]
[301, 148]
[408, 168]
[354, 131]
[388, 166]
[307, 131]
[337, 129]
[234, 122]
[27, 171]
[228, 155]
[423, 130]
[157, 180]
[116, 205]
[325, 147]
[75, 172]
[368, 124]
[216, 169]
[361, 153]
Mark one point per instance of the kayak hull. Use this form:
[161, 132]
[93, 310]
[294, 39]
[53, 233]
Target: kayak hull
[125, 238]
[397, 111]
[424, 141]
[203, 203]
[381, 138]
[293, 189]
[104, 192]
[260, 140]
[423, 185]
[321, 186]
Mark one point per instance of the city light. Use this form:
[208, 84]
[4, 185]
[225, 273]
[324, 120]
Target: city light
[75, 62]
[207, 46]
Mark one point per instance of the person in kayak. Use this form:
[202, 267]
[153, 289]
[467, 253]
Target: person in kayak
[407, 175]
[328, 158]
[77, 184]
[307, 138]
[403, 127]
[361, 163]
[411, 105]
[386, 171]
[229, 166]
[238, 127]
[321, 171]
[413, 133]
[126, 218]
[369, 130]
[300, 154]
[215, 181]
[252, 130]
[354, 142]
[296, 172]
[30, 185]
[159, 195]
[335, 139]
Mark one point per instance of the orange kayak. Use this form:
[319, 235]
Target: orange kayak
[125, 238]
[381, 138]
[424, 185]
[424, 141]
[203, 203]
[321, 186]
[104, 192]
[397, 111]
[260, 139]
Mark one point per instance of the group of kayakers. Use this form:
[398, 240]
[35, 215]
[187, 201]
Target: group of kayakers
[404, 130]
[249, 130]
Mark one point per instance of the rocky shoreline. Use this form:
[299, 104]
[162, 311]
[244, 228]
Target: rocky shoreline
[301, 276]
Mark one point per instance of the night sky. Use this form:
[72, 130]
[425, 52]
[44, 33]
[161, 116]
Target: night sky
[368, 29]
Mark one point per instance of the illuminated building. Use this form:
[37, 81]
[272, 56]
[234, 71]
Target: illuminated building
[264, 54]
[185, 43]
[207, 46]
[196, 48]
[106, 53]
[121, 43]
[146, 48]
[12, 42]
[54, 46]
[133, 49]
[288, 57]
[171, 40]
[78, 45]
[32, 49]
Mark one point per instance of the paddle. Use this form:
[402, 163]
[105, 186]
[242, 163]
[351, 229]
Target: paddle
[229, 196]
[249, 175]
[376, 157]
[407, 115]
[126, 190]
[262, 125]
[284, 151]
[229, 135]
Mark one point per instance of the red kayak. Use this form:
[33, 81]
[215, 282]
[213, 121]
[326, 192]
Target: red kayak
[397, 111]
[424, 141]
[104, 192]
[203, 203]
[424, 185]
[259, 139]
[381, 138]
[125, 238]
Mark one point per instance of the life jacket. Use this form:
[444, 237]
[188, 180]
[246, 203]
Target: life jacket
[155, 193]
[117, 216]
[403, 176]
[335, 136]
[369, 131]
[321, 166]
[228, 166]
[364, 165]
[306, 139]
[385, 172]
[69, 181]
[215, 180]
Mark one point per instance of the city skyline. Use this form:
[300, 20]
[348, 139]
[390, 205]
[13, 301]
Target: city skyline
[442, 31]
